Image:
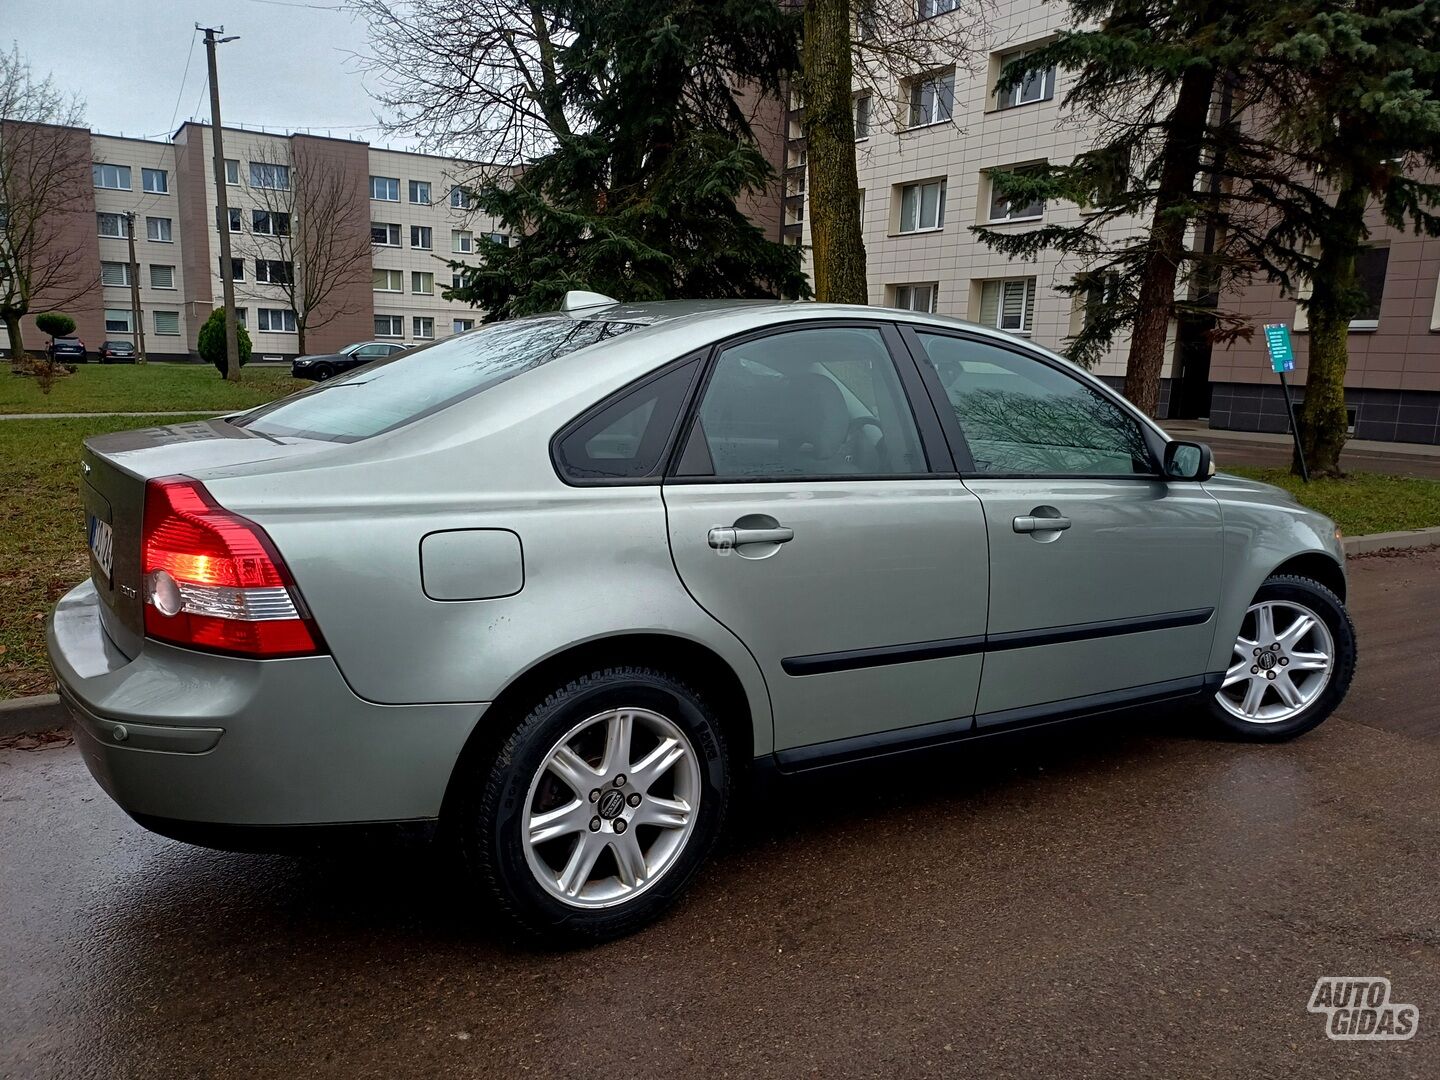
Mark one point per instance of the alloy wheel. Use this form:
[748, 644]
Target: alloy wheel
[1282, 662]
[611, 808]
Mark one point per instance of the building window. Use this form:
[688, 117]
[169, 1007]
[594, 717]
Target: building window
[462, 243]
[797, 156]
[916, 297]
[234, 218]
[389, 326]
[266, 174]
[1094, 293]
[499, 238]
[922, 206]
[162, 277]
[115, 273]
[861, 118]
[932, 98]
[389, 281]
[155, 181]
[232, 172]
[275, 320]
[385, 188]
[237, 269]
[1038, 84]
[114, 177]
[1012, 209]
[158, 229]
[795, 183]
[928, 9]
[459, 326]
[240, 314]
[420, 192]
[167, 323]
[421, 237]
[385, 234]
[118, 321]
[461, 199]
[274, 272]
[113, 225]
[424, 327]
[1370, 266]
[794, 211]
[1008, 304]
[422, 283]
[270, 222]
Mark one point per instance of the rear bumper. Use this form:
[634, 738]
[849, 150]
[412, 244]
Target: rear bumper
[188, 739]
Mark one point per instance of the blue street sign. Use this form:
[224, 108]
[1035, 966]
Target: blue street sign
[1277, 340]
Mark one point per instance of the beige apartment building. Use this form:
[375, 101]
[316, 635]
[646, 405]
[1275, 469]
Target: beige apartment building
[415, 208]
[924, 158]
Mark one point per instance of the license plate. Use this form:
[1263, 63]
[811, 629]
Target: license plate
[101, 544]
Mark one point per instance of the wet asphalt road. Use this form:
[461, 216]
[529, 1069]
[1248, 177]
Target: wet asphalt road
[1124, 899]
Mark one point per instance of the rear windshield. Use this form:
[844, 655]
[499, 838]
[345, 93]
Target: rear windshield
[388, 394]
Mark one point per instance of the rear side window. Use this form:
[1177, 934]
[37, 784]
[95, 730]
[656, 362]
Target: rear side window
[626, 439]
[388, 394]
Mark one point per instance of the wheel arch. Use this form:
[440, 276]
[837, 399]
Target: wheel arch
[1318, 566]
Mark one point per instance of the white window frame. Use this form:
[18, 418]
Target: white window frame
[461, 198]
[269, 176]
[119, 270]
[387, 181]
[418, 324]
[904, 296]
[164, 267]
[172, 320]
[129, 320]
[232, 172]
[391, 332]
[157, 222]
[1005, 286]
[1015, 96]
[122, 223]
[462, 242]
[264, 316]
[397, 276]
[118, 172]
[429, 236]
[417, 278]
[1010, 214]
[415, 187]
[925, 99]
[392, 229]
[237, 268]
[147, 176]
[920, 187]
[461, 326]
[862, 131]
[929, 9]
[263, 269]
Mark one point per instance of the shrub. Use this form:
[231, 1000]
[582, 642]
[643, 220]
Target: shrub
[55, 323]
[211, 342]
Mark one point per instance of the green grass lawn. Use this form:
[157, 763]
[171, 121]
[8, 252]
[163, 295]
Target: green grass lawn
[1362, 502]
[111, 388]
[42, 536]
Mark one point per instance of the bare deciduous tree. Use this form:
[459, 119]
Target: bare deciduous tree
[311, 232]
[41, 163]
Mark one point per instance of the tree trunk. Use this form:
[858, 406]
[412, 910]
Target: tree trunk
[837, 249]
[17, 339]
[1323, 420]
[300, 336]
[1180, 161]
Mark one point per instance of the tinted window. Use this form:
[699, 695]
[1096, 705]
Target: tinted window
[1020, 416]
[389, 393]
[626, 438]
[812, 402]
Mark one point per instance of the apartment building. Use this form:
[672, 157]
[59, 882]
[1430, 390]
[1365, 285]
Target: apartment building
[924, 155]
[414, 209]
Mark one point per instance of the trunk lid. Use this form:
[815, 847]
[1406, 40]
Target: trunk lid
[114, 469]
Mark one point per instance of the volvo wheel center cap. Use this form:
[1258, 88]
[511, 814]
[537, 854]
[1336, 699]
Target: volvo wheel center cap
[611, 803]
[1266, 661]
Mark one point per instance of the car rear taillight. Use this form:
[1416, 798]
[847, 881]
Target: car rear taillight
[214, 581]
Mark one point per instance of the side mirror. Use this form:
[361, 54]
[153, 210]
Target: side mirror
[1188, 461]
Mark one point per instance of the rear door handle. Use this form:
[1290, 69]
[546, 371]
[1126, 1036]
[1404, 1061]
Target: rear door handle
[1030, 524]
[724, 538]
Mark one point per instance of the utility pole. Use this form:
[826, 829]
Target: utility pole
[139, 315]
[222, 203]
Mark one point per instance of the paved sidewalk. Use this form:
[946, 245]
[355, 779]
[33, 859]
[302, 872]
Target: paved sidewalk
[1262, 449]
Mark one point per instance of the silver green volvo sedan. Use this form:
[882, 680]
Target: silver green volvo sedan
[557, 585]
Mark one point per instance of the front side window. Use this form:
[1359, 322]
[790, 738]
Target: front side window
[155, 181]
[1008, 304]
[1022, 417]
[1006, 208]
[266, 174]
[158, 229]
[626, 439]
[815, 402]
[116, 226]
[1037, 84]
[385, 188]
[922, 206]
[932, 99]
[420, 192]
[113, 177]
[391, 393]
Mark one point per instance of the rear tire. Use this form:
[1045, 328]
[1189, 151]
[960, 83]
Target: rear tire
[565, 865]
[1273, 694]
[323, 372]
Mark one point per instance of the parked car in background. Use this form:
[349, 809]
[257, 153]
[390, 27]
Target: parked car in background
[327, 365]
[117, 352]
[557, 585]
[68, 348]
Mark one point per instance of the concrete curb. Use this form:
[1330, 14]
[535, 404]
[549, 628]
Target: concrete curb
[1392, 541]
[20, 716]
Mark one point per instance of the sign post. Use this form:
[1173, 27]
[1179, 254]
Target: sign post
[1282, 359]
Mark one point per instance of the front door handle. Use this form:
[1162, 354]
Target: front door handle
[722, 539]
[1032, 524]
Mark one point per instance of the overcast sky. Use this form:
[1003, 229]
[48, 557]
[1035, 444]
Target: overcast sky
[292, 67]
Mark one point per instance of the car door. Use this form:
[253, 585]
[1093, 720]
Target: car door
[815, 512]
[1104, 577]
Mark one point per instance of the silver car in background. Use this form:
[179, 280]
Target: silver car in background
[558, 583]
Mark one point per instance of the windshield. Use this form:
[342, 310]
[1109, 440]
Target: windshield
[387, 394]
[348, 349]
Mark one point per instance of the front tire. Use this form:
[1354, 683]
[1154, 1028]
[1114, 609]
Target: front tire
[599, 808]
[1292, 663]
